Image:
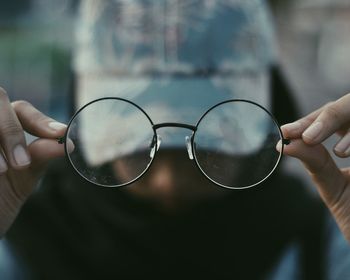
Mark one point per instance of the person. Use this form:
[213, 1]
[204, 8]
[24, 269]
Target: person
[308, 133]
[175, 59]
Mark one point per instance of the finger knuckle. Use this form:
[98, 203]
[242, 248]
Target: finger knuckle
[37, 119]
[3, 95]
[11, 128]
[20, 104]
[333, 113]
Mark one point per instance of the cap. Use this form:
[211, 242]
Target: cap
[175, 59]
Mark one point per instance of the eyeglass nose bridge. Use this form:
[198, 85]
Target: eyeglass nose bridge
[189, 147]
[156, 141]
[188, 139]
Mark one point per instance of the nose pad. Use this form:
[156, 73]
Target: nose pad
[156, 141]
[189, 147]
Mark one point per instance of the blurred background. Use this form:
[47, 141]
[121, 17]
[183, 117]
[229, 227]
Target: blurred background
[314, 46]
[37, 38]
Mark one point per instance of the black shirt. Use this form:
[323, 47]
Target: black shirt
[70, 229]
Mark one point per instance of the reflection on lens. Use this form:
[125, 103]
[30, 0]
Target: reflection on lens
[234, 144]
[113, 141]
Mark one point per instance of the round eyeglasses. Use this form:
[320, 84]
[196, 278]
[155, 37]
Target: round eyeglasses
[115, 142]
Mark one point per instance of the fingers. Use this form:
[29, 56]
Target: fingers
[16, 118]
[322, 123]
[40, 125]
[295, 129]
[36, 123]
[342, 148]
[43, 150]
[330, 120]
[12, 139]
[21, 166]
[323, 170]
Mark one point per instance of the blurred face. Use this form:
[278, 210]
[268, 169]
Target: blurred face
[131, 51]
[172, 182]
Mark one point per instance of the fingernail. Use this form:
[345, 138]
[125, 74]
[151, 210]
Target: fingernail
[70, 146]
[347, 152]
[313, 131]
[57, 126]
[21, 156]
[292, 126]
[279, 146]
[343, 147]
[3, 165]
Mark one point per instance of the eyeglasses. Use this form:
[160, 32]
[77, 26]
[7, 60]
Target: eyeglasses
[115, 142]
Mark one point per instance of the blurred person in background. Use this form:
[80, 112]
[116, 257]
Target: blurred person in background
[175, 59]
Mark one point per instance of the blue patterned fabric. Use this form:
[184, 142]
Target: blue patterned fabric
[174, 58]
[167, 36]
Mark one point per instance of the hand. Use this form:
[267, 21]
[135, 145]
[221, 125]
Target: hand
[307, 134]
[20, 165]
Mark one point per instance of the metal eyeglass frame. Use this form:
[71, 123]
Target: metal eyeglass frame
[190, 145]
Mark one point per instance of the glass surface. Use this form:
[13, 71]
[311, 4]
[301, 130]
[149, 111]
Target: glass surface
[113, 142]
[235, 144]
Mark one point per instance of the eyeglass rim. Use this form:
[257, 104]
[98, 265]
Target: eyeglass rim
[63, 140]
[284, 142]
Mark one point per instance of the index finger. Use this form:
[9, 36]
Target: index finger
[36, 123]
[328, 178]
[331, 119]
[12, 139]
[295, 129]
[322, 123]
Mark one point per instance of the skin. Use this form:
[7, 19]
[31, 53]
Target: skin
[308, 134]
[173, 182]
[164, 184]
[19, 177]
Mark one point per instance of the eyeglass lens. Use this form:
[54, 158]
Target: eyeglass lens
[115, 143]
[234, 144]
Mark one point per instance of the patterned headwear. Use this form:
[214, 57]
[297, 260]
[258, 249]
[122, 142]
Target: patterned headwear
[174, 58]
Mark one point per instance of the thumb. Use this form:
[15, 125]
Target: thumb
[44, 150]
[328, 178]
[48, 130]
